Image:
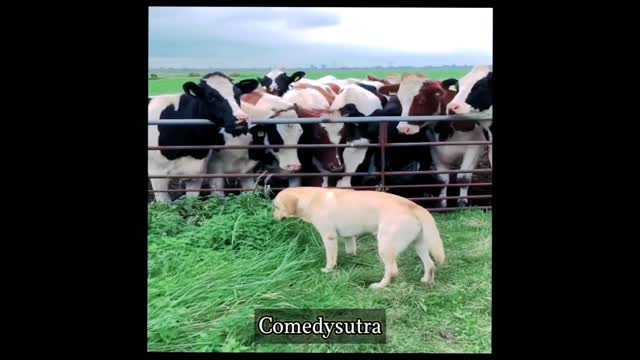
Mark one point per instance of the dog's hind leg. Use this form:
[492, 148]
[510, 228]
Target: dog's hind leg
[350, 245]
[422, 248]
[394, 235]
[388, 256]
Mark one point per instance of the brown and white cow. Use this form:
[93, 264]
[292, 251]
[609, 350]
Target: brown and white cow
[419, 95]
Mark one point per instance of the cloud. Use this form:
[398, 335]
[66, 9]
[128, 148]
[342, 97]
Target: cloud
[258, 37]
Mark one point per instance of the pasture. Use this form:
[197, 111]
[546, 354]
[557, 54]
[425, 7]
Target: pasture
[212, 262]
[172, 82]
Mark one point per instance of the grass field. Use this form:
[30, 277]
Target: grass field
[212, 262]
[172, 82]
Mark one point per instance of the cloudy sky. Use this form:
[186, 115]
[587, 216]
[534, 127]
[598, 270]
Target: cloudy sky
[234, 37]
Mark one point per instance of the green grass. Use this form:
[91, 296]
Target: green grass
[211, 263]
[169, 83]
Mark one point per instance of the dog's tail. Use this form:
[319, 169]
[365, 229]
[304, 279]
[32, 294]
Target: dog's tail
[430, 233]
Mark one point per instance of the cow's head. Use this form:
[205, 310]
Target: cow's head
[475, 92]
[277, 82]
[327, 133]
[418, 96]
[284, 134]
[221, 100]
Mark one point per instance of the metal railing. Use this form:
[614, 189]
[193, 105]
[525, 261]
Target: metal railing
[382, 144]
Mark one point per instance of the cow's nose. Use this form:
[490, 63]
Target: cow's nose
[404, 130]
[453, 109]
[293, 168]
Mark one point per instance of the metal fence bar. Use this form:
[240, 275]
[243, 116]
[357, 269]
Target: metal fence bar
[458, 208]
[319, 120]
[349, 187]
[427, 172]
[452, 197]
[318, 146]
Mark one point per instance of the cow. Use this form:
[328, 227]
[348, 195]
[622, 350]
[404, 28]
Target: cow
[397, 158]
[326, 159]
[421, 96]
[475, 94]
[216, 99]
[360, 101]
[277, 82]
[261, 105]
[310, 102]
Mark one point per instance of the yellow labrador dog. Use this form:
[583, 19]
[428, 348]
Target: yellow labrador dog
[396, 221]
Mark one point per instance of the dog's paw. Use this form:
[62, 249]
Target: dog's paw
[327, 270]
[353, 253]
[428, 277]
[427, 281]
[376, 286]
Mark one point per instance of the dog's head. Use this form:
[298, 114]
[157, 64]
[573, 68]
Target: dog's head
[285, 205]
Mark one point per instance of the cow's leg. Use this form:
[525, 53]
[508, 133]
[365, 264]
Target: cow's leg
[489, 137]
[294, 181]
[215, 184]
[192, 186]
[443, 178]
[247, 183]
[469, 162]
[353, 157]
[161, 184]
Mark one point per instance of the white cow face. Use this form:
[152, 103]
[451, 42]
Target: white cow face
[277, 82]
[475, 92]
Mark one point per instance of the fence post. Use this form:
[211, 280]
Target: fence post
[383, 145]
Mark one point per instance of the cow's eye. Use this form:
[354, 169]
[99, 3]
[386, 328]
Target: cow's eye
[438, 94]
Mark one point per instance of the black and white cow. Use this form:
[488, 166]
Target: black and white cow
[216, 99]
[475, 94]
[397, 158]
[261, 105]
[277, 82]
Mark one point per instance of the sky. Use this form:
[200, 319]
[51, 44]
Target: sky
[267, 37]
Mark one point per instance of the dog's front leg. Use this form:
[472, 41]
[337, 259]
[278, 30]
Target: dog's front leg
[330, 241]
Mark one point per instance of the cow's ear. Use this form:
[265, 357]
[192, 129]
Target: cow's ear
[247, 85]
[192, 89]
[260, 81]
[450, 84]
[349, 110]
[302, 112]
[297, 76]
[389, 89]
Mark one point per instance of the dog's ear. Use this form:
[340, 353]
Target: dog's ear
[290, 203]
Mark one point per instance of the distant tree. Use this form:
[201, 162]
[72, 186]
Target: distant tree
[194, 74]
[323, 67]
[153, 76]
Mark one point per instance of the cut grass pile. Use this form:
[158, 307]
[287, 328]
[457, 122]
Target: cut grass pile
[211, 263]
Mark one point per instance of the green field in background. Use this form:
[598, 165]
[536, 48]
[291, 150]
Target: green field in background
[171, 82]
